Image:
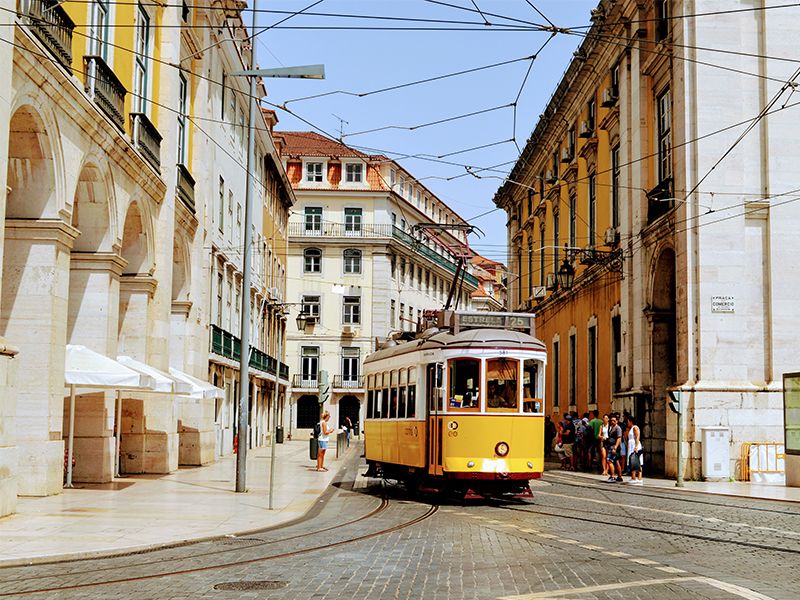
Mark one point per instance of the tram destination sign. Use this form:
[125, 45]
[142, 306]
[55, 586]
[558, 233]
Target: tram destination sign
[492, 320]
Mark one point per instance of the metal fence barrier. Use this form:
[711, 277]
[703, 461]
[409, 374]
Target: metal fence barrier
[762, 462]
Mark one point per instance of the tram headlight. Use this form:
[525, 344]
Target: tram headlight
[501, 449]
[471, 464]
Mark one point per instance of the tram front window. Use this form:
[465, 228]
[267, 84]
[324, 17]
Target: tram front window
[502, 385]
[531, 400]
[464, 375]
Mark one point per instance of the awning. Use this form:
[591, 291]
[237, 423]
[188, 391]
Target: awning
[87, 368]
[163, 383]
[199, 388]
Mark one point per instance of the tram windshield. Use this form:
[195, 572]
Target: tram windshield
[502, 385]
[464, 375]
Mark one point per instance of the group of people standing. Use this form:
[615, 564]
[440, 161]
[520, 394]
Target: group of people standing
[612, 444]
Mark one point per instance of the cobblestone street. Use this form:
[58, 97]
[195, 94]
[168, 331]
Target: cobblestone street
[575, 539]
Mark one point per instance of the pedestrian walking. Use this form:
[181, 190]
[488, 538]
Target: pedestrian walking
[635, 451]
[603, 448]
[348, 427]
[568, 441]
[596, 424]
[325, 431]
[613, 448]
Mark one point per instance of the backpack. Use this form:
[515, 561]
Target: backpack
[317, 430]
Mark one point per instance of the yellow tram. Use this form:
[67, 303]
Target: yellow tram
[459, 408]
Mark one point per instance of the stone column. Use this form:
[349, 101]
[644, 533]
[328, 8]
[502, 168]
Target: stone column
[93, 319]
[34, 315]
[149, 442]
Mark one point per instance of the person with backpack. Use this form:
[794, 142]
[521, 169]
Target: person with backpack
[635, 451]
[568, 441]
[322, 431]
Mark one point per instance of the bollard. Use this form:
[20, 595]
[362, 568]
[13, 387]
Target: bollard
[313, 448]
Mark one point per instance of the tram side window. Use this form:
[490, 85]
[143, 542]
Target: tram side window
[531, 400]
[412, 393]
[464, 375]
[385, 397]
[393, 397]
[401, 408]
[370, 407]
[502, 385]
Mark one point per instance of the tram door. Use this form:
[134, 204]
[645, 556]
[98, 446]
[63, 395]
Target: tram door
[433, 393]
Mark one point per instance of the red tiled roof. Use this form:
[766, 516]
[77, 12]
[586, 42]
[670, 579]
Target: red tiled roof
[310, 143]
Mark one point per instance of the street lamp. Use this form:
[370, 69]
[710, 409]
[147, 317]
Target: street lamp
[566, 275]
[312, 72]
[301, 321]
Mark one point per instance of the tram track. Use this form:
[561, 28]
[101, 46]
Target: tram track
[432, 509]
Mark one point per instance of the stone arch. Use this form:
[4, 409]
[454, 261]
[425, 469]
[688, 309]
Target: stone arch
[661, 315]
[94, 208]
[349, 406]
[307, 411]
[181, 269]
[137, 241]
[34, 166]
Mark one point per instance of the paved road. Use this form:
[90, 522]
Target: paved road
[577, 539]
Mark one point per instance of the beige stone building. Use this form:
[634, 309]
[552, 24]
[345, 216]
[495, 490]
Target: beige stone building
[109, 233]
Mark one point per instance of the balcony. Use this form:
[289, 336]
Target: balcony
[146, 139]
[186, 187]
[228, 345]
[305, 381]
[49, 22]
[660, 200]
[348, 382]
[340, 230]
[105, 89]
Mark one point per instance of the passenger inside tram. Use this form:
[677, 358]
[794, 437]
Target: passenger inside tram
[502, 380]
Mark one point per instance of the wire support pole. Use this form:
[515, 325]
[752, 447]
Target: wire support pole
[244, 351]
[273, 443]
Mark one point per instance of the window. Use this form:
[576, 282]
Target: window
[591, 352]
[530, 269]
[556, 373]
[402, 270]
[312, 260]
[352, 221]
[98, 34]
[571, 141]
[531, 400]
[464, 375]
[385, 397]
[542, 255]
[591, 114]
[313, 220]
[519, 275]
[615, 81]
[401, 405]
[314, 172]
[239, 232]
[530, 203]
[393, 265]
[352, 261]
[541, 186]
[425, 205]
[662, 19]
[219, 298]
[403, 224]
[592, 210]
[370, 397]
[402, 186]
[412, 393]
[350, 366]
[402, 316]
[141, 60]
[182, 114]
[310, 307]
[351, 313]
[502, 385]
[615, 186]
[221, 219]
[392, 395]
[230, 210]
[616, 349]
[392, 178]
[309, 365]
[419, 198]
[664, 110]
[394, 219]
[354, 173]
[573, 217]
[573, 375]
[556, 240]
[393, 314]
[555, 163]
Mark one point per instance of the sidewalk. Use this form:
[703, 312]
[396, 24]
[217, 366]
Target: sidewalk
[739, 489]
[145, 511]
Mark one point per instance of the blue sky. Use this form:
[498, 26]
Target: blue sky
[362, 61]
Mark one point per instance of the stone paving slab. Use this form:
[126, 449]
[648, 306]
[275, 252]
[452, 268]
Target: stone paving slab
[146, 511]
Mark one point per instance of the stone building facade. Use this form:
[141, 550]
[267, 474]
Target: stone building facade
[679, 232]
[106, 230]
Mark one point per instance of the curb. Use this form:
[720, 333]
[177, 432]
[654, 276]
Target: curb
[312, 510]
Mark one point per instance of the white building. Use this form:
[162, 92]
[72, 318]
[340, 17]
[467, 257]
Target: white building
[358, 265]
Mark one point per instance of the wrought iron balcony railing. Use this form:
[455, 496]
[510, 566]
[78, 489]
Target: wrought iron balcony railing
[105, 89]
[186, 187]
[305, 381]
[50, 23]
[146, 139]
[348, 381]
[228, 345]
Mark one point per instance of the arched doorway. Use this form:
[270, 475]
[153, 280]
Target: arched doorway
[33, 312]
[307, 412]
[349, 406]
[661, 316]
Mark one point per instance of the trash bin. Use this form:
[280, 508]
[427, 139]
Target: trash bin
[279, 435]
[716, 452]
[355, 429]
[313, 448]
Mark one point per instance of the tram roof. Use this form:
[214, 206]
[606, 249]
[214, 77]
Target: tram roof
[474, 338]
